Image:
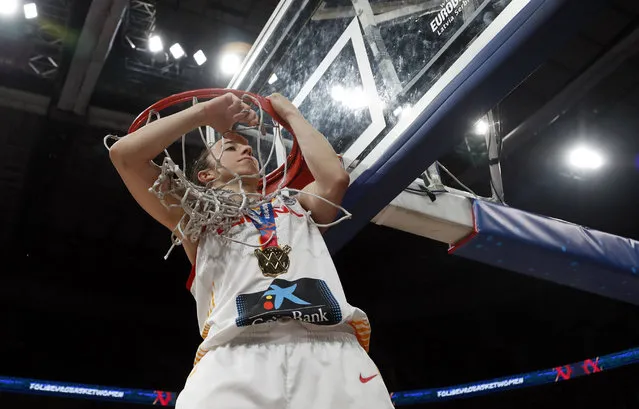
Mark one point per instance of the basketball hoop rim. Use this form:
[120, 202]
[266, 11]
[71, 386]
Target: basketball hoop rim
[297, 172]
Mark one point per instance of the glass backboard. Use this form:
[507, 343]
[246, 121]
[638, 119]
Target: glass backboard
[361, 71]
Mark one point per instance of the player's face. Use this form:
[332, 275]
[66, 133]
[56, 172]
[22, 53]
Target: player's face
[236, 157]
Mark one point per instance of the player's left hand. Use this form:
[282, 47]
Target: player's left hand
[284, 108]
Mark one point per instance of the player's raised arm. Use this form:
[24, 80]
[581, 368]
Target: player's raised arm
[132, 155]
[331, 180]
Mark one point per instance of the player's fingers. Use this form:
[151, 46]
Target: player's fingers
[236, 106]
[243, 116]
[253, 119]
[243, 107]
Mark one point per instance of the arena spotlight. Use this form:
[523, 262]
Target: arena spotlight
[353, 98]
[30, 10]
[177, 51]
[403, 111]
[155, 44]
[199, 57]
[230, 63]
[273, 79]
[586, 158]
[8, 7]
[482, 127]
[131, 43]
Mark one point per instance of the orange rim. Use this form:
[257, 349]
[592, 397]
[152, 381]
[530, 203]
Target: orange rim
[297, 173]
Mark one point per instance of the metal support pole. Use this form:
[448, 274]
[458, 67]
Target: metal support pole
[493, 145]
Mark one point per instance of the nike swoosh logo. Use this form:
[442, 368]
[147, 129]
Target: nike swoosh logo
[364, 380]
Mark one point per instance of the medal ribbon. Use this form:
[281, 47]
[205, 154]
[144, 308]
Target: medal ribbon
[265, 223]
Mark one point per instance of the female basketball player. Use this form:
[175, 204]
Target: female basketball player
[277, 329]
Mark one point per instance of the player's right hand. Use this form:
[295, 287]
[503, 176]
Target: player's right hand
[225, 111]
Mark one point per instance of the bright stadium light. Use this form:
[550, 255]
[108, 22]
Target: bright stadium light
[230, 63]
[155, 44]
[199, 57]
[273, 79]
[482, 127]
[403, 111]
[177, 51]
[8, 7]
[583, 157]
[30, 10]
[353, 98]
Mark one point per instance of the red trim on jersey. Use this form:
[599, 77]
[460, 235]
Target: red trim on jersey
[189, 282]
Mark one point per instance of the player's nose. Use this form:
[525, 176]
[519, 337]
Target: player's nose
[247, 150]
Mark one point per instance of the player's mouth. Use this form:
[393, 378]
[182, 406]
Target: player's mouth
[250, 159]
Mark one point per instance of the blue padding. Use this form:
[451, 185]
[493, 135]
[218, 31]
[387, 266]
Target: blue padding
[554, 250]
[84, 391]
[526, 41]
[551, 375]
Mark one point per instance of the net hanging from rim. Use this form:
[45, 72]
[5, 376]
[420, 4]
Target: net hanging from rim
[215, 207]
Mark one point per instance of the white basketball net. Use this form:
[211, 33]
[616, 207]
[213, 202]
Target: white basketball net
[215, 208]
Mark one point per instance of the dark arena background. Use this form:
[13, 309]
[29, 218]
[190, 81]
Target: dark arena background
[493, 148]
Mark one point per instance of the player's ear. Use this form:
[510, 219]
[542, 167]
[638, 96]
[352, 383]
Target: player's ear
[206, 175]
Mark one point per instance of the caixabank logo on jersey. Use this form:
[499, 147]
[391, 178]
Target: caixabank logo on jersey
[306, 299]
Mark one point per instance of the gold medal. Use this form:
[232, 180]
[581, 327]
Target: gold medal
[273, 261]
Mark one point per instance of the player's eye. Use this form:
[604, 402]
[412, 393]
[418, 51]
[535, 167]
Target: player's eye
[230, 148]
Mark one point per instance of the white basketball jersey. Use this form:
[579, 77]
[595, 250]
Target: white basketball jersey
[232, 293]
